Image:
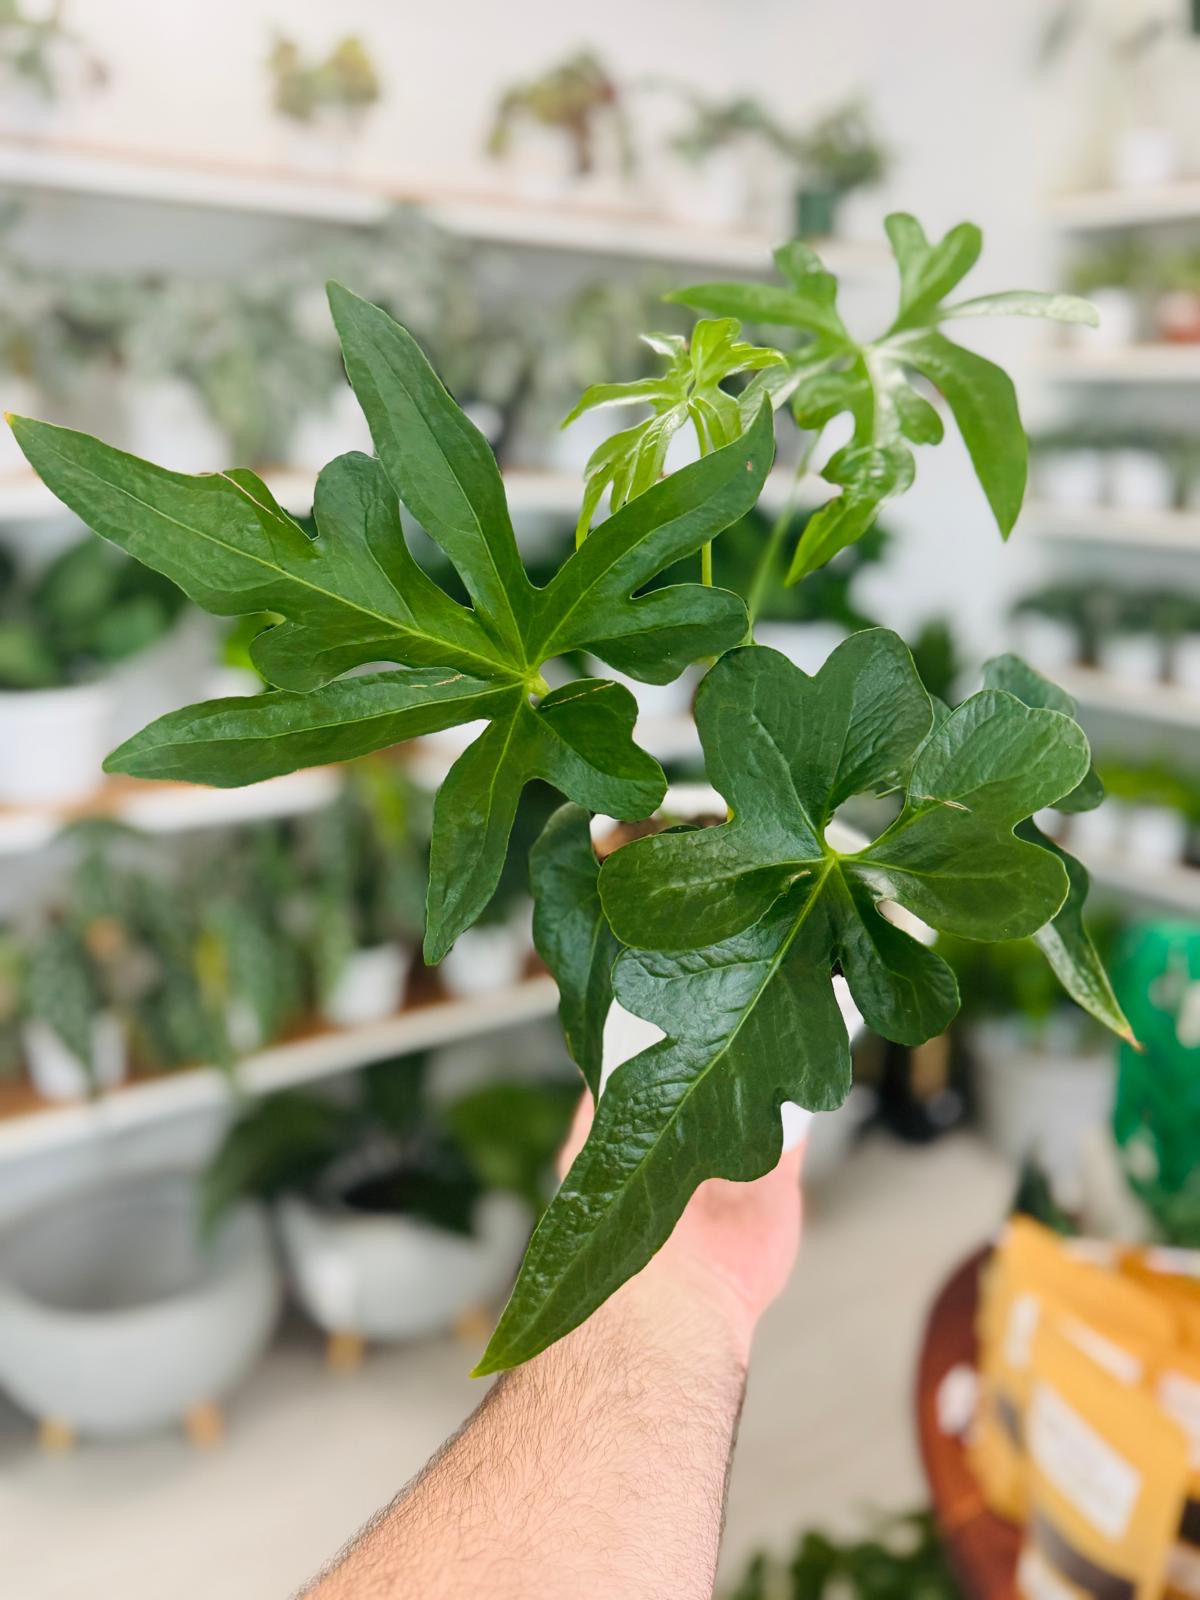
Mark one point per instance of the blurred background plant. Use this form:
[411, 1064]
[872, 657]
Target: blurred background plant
[343, 84]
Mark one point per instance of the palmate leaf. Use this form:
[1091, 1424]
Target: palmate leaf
[354, 596]
[834, 373]
[1065, 940]
[735, 932]
[688, 390]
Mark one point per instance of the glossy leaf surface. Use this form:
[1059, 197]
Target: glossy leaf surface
[354, 596]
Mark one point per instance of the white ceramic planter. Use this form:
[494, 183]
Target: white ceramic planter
[1131, 657]
[370, 987]
[56, 1071]
[1144, 157]
[1039, 1100]
[1046, 642]
[1099, 833]
[1073, 479]
[392, 1278]
[1120, 314]
[1155, 836]
[115, 1320]
[660, 700]
[323, 434]
[168, 423]
[486, 958]
[807, 645]
[53, 743]
[1185, 661]
[1140, 480]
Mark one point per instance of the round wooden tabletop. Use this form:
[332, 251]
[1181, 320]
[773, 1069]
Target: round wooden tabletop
[983, 1548]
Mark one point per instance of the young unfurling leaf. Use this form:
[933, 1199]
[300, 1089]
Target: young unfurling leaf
[832, 373]
[736, 931]
[354, 596]
[689, 390]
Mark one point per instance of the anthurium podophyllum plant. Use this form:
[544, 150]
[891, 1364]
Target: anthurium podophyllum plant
[726, 937]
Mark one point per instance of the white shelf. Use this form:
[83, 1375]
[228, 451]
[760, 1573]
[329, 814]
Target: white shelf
[158, 807]
[1178, 887]
[1143, 363]
[1156, 702]
[301, 1061]
[629, 234]
[1127, 208]
[1135, 530]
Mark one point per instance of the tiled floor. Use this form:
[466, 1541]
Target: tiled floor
[826, 1431]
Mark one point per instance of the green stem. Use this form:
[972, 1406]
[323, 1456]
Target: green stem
[770, 552]
[706, 565]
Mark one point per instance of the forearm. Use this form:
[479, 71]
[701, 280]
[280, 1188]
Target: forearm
[598, 1469]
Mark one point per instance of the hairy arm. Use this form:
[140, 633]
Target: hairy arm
[599, 1468]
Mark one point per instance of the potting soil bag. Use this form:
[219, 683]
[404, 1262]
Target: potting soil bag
[1035, 1277]
[1108, 1474]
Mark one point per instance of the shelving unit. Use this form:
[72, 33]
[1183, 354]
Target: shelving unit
[1145, 363]
[1098, 209]
[136, 1104]
[100, 172]
[1170, 531]
[1156, 702]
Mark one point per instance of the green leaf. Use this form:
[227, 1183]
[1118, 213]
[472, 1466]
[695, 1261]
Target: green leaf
[571, 934]
[739, 929]
[928, 272]
[984, 403]
[834, 373]
[785, 750]
[1065, 940]
[1010, 673]
[1027, 303]
[354, 596]
[749, 1024]
[689, 390]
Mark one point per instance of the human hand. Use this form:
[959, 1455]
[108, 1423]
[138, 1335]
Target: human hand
[729, 1257]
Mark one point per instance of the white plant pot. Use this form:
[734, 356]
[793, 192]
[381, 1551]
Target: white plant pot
[1155, 836]
[1041, 1102]
[654, 700]
[626, 1036]
[1141, 480]
[1120, 314]
[1074, 479]
[168, 423]
[1047, 643]
[21, 398]
[323, 434]
[56, 1071]
[1100, 833]
[807, 645]
[392, 1278]
[115, 1317]
[53, 743]
[1144, 157]
[369, 988]
[485, 959]
[1131, 657]
[1185, 661]
[715, 192]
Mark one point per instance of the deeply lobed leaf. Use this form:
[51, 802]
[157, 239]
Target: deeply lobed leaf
[354, 596]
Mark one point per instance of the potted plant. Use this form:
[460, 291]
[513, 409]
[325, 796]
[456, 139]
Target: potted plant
[398, 1215]
[580, 112]
[74, 1041]
[117, 1320]
[726, 937]
[366, 883]
[327, 96]
[62, 632]
[839, 154]
[729, 149]
[42, 57]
